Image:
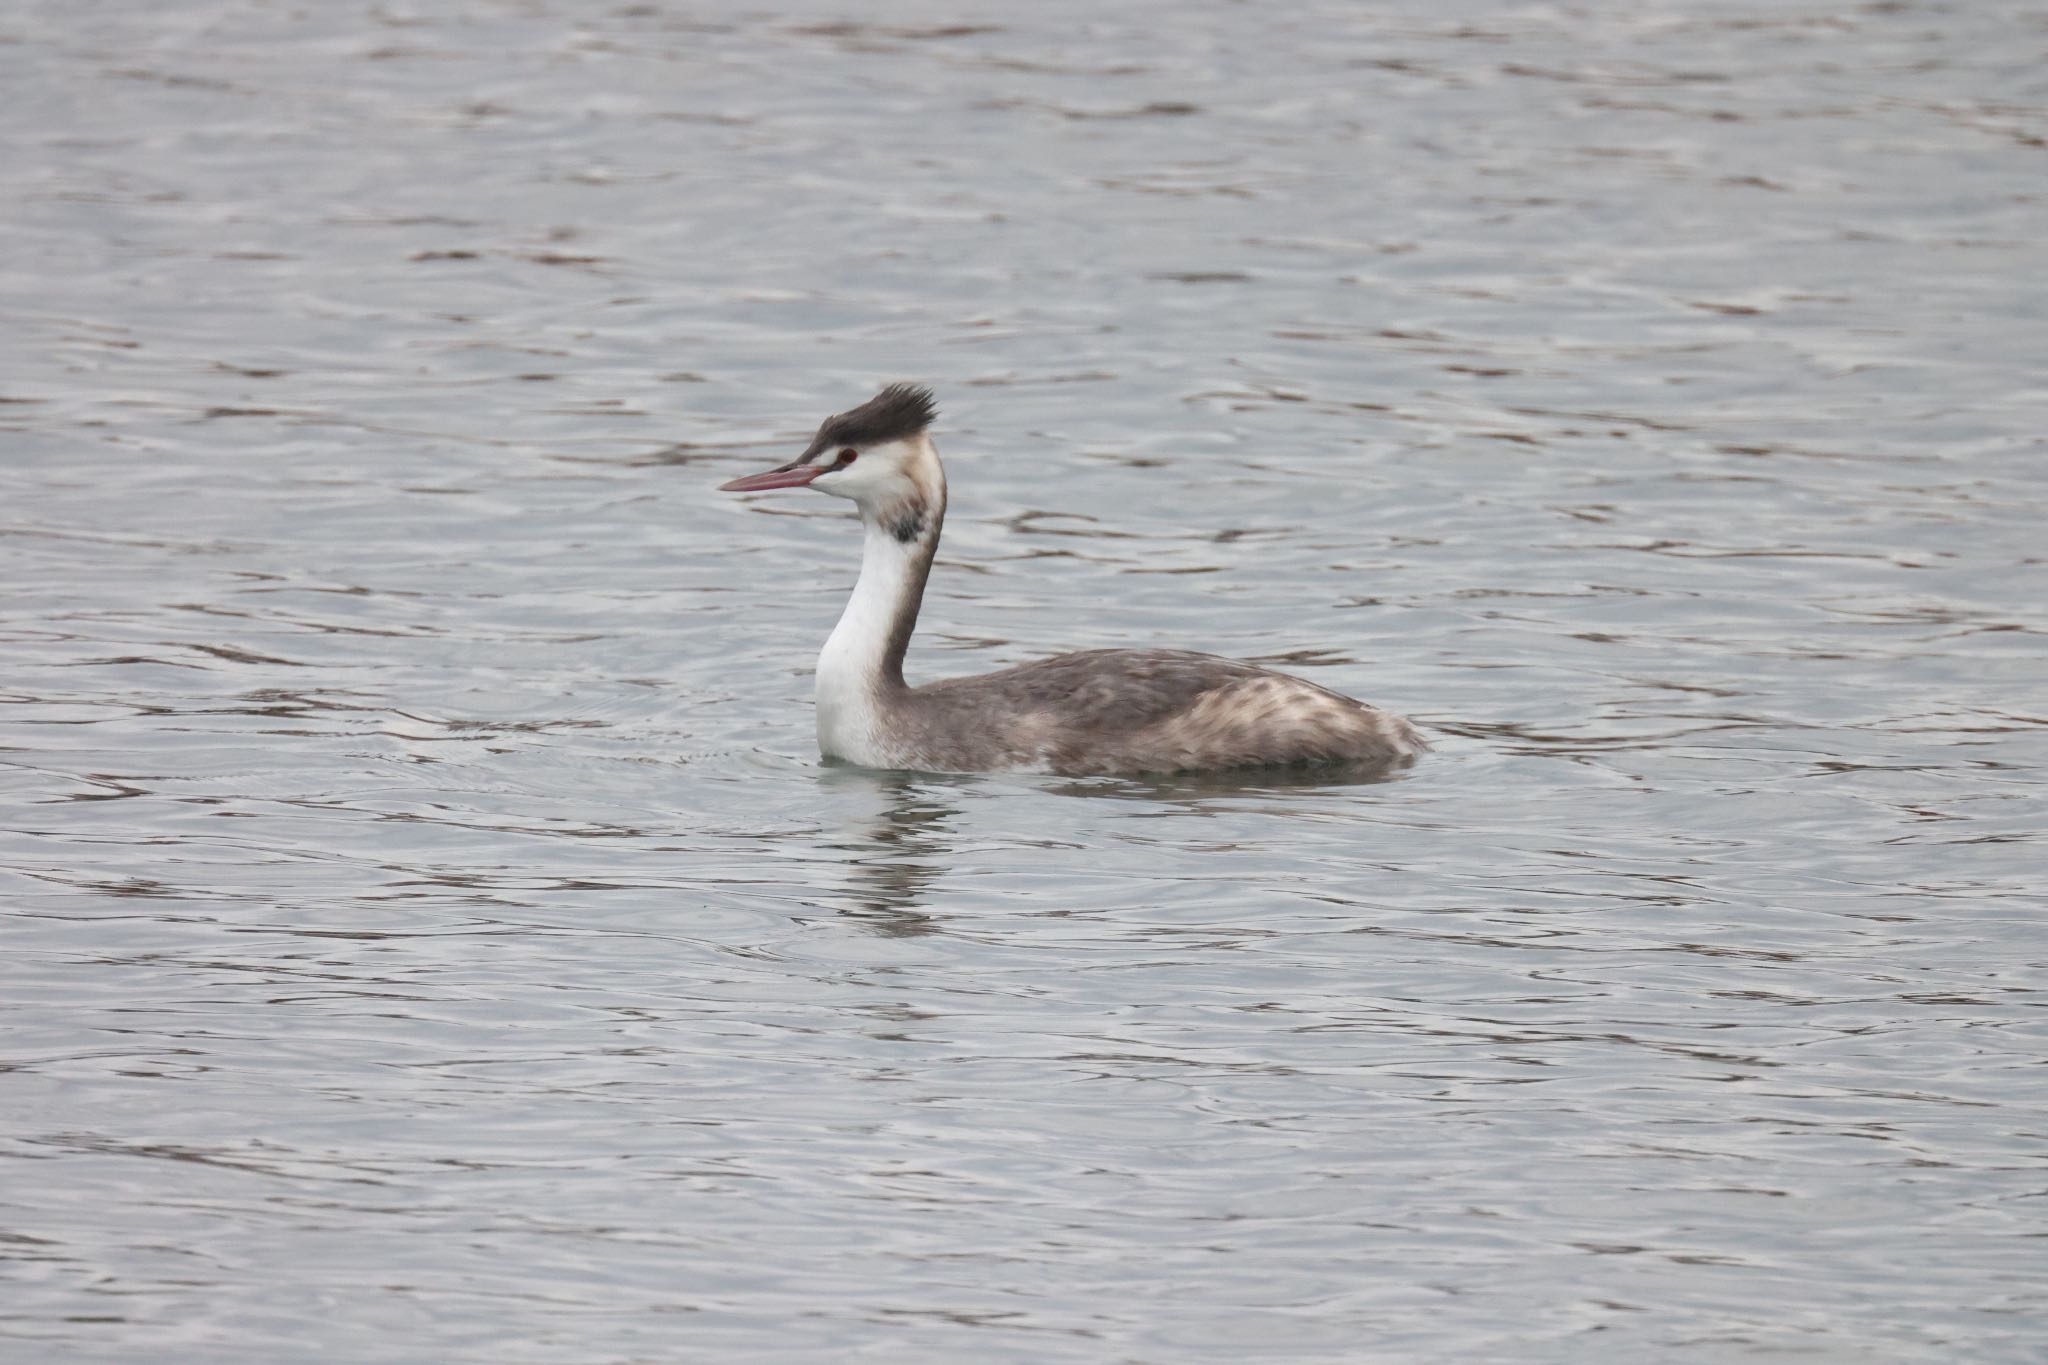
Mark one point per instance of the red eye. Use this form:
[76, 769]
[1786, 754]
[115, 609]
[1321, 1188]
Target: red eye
[848, 456]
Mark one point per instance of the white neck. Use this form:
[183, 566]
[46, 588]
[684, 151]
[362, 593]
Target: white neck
[860, 669]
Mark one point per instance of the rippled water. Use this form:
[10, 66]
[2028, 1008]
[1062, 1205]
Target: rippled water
[431, 935]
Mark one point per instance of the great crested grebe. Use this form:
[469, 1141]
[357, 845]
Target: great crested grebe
[1098, 711]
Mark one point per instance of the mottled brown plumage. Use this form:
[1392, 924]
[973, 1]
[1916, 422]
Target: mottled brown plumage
[1142, 710]
[1098, 711]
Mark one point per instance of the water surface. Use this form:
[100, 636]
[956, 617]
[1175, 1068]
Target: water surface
[432, 936]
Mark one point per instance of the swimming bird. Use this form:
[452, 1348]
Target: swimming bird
[1097, 711]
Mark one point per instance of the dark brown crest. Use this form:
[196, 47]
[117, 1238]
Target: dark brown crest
[896, 412]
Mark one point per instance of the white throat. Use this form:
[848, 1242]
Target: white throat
[856, 677]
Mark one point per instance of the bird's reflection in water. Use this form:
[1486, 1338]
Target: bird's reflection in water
[895, 847]
[1190, 790]
[896, 827]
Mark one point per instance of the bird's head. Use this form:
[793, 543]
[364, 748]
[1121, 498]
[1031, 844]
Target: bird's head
[877, 454]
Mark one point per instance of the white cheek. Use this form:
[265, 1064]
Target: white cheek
[841, 483]
[860, 482]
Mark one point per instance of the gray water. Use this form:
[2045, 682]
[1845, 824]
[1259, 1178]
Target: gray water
[430, 934]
